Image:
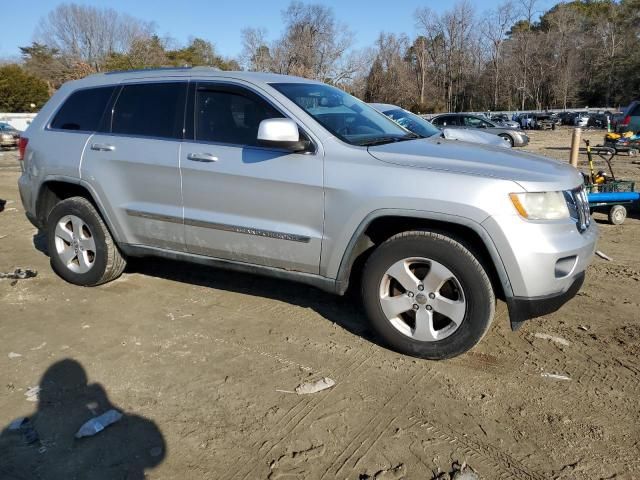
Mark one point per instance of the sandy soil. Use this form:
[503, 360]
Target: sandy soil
[195, 356]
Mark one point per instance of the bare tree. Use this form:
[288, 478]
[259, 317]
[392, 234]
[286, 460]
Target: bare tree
[89, 34]
[312, 44]
[495, 25]
[255, 55]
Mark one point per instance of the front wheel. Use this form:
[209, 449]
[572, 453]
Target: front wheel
[508, 138]
[426, 295]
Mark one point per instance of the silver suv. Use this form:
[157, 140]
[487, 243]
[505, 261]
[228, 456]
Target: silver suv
[298, 180]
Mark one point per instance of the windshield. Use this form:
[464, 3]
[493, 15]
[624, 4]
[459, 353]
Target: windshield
[346, 117]
[412, 122]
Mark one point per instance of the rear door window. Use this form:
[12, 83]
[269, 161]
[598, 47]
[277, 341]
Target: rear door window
[230, 114]
[83, 110]
[150, 110]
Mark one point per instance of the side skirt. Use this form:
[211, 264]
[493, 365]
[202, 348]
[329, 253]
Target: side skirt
[322, 283]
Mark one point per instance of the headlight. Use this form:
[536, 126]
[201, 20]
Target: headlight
[540, 205]
[6, 137]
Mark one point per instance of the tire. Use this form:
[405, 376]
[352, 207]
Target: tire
[507, 137]
[617, 214]
[429, 257]
[74, 227]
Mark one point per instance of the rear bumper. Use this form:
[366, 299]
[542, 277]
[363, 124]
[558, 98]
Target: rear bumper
[526, 308]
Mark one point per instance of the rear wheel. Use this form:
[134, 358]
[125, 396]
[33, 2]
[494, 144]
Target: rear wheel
[81, 248]
[617, 214]
[427, 295]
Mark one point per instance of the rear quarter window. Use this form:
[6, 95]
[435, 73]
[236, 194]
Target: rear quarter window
[83, 110]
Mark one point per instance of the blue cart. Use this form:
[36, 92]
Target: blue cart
[614, 202]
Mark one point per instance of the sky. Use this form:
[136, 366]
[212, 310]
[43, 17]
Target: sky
[220, 21]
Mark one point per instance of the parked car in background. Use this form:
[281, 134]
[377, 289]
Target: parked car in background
[542, 121]
[504, 120]
[616, 120]
[9, 136]
[517, 138]
[581, 119]
[424, 128]
[567, 118]
[291, 178]
[599, 120]
[525, 120]
[630, 118]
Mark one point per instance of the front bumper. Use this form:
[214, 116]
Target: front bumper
[526, 308]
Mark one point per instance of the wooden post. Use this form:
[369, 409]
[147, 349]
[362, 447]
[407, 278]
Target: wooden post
[575, 146]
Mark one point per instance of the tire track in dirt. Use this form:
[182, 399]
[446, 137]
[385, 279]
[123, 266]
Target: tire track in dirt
[304, 408]
[509, 468]
[383, 416]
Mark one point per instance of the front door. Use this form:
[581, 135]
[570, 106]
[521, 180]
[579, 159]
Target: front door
[244, 202]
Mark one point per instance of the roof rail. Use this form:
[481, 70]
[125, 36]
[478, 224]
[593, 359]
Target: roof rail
[163, 69]
[150, 69]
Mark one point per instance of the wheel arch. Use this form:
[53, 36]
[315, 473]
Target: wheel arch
[57, 188]
[381, 225]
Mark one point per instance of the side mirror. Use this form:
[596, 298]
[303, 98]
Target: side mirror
[281, 133]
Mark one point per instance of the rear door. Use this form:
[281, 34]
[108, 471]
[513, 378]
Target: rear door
[70, 128]
[133, 163]
[244, 202]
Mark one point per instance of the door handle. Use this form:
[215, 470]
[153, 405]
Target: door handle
[102, 147]
[202, 157]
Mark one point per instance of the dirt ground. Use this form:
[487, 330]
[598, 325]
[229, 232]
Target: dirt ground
[195, 357]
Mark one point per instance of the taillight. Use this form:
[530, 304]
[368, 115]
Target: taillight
[626, 121]
[22, 147]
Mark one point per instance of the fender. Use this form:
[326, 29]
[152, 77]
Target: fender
[92, 193]
[354, 249]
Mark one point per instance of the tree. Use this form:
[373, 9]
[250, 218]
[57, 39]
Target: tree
[19, 89]
[256, 55]
[90, 34]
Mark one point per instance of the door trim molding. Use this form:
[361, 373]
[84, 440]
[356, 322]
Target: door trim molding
[292, 237]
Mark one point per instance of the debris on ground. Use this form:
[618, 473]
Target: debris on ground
[458, 472]
[552, 338]
[312, 387]
[603, 255]
[33, 394]
[584, 328]
[19, 274]
[97, 424]
[395, 473]
[555, 376]
[13, 355]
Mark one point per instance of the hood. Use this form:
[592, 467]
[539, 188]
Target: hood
[473, 136]
[531, 172]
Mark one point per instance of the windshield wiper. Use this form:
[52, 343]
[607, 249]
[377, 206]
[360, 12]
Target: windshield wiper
[384, 140]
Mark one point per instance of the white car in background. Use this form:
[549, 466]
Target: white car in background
[424, 128]
[581, 120]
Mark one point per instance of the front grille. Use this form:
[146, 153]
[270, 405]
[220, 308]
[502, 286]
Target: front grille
[578, 204]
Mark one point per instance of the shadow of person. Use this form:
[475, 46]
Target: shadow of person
[123, 450]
